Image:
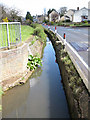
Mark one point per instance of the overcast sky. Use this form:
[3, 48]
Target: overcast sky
[37, 6]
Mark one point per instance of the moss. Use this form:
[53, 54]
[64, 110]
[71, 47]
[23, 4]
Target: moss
[37, 55]
[72, 78]
[65, 59]
[72, 68]
[23, 78]
[68, 62]
[71, 84]
[78, 90]
[32, 42]
[79, 80]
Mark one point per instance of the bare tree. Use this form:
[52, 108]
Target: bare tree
[0, 12]
[3, 13]
[12, 14]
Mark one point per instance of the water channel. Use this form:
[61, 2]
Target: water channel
[42, 96]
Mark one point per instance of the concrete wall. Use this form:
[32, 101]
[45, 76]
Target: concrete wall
[13, 62]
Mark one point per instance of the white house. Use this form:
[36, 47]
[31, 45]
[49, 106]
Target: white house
[81, 15]
[54, 16]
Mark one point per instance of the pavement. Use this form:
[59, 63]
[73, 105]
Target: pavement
[78, 39]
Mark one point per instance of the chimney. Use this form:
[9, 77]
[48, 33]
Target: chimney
[77, 8]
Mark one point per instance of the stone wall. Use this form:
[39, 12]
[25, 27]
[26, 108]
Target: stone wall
[13, 62]
[75, 90]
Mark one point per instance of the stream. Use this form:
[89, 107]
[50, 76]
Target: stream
[42, 96]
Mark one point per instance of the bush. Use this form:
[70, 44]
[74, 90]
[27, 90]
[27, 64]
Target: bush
[86, 22]
[75, 23]
[34, 25]
[52, 23]
[46, 21]
[37, 31]
[67, 21]
[28, 22]
[60, 23]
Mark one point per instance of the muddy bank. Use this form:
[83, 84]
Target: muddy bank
[76, 92]
[34, 48]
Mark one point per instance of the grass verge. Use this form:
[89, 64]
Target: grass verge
[26, 32]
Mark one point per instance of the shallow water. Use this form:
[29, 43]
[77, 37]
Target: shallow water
[42, 96]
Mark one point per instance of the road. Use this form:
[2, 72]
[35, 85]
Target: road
[75, 36]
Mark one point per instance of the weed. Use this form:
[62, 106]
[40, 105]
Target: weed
[33, 62]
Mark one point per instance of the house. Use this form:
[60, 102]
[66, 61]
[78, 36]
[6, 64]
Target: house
[64, 18]
[35, 19]
[68, 15]
[54, 16]
[81, 15]
[40, 18]
[46, 17]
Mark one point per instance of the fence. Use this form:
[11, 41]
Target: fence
[10, 34]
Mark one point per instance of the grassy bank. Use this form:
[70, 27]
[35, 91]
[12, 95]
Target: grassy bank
[34, 29]
[26, 32]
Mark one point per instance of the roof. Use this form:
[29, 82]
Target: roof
[40, 16]
[81, 9]
[67, 16]
[69, 13]
[54, 11]
[84, 8]
[72, 10]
